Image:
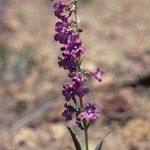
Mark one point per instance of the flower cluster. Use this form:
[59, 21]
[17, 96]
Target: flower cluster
[68, 34]
[77, 87]
[89, 114]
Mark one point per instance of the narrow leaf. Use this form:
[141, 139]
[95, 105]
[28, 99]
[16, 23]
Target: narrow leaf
[100, 144]
[75, 140]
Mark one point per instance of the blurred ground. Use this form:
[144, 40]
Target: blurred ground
[116, 34]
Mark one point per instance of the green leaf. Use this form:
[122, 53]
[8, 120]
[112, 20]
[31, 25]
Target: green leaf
[100, 144]
[75, 140]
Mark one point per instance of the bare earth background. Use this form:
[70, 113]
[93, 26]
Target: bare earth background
[117, 38]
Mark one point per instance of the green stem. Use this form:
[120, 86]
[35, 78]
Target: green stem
[80, 71]
[81, 103]
[75, 102]
[86, 139]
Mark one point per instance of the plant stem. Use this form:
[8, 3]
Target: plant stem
[80, 70]
[81, 103]
[75, 102]
[86, 139]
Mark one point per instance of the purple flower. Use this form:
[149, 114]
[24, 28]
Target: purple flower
[69, 110]
[77, 87]
[62, 37]
[97, 74]
[59, 9]
[68, 91]
[88, 114]
[68, 63]
[80, 86]
[74, 53]
[59, 26]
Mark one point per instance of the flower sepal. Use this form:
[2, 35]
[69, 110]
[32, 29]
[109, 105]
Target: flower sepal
[80, 126]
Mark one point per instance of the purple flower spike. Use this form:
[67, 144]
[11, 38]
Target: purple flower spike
[89, 114]
[68, 35]
[97, 74]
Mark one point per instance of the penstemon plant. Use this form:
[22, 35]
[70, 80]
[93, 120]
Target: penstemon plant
[68, 33]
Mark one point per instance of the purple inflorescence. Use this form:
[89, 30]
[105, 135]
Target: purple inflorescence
[67, 34]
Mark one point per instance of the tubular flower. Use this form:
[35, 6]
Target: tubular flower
[69, 110]
[97, 74]
[77, 87]
[59, 8]
[88, 114]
